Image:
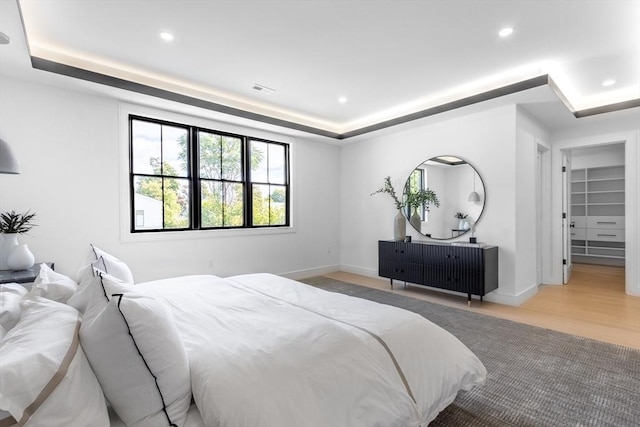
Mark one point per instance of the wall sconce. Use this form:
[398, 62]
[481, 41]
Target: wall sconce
[8, 162]
[474, 196]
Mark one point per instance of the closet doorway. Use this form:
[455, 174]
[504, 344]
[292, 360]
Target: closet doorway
[597, 200]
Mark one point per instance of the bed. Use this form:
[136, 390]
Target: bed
[249, 350]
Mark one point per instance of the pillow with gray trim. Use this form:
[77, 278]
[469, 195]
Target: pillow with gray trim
[45, 378]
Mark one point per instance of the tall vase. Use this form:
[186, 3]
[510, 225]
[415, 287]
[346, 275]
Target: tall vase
[8, 241]
[20, 258]
[415, 220]
[399, 227]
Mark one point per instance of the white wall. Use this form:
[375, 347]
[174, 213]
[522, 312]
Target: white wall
[529, 136]
[68, 147]
[487, 140]
[607, 155]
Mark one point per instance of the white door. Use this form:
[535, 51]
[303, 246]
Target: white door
[566, 216]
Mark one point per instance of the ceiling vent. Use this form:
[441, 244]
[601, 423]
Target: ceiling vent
[263, 89]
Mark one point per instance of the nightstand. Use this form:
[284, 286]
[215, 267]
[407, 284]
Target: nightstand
[22, 276]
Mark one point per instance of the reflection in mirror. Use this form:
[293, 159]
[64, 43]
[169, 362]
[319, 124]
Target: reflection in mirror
[450, 207]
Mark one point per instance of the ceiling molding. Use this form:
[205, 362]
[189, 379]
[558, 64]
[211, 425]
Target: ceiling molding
[104, 79]
[609, 108]
[453, 105]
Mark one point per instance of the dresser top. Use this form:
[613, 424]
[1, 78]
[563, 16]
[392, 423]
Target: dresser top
[460, 244]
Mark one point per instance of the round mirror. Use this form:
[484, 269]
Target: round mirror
[444, 197]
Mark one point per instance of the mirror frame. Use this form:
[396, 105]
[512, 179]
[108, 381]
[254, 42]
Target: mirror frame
[483, 187]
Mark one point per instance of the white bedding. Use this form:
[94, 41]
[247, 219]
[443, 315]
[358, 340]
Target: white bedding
[193, 418]
[268, 351]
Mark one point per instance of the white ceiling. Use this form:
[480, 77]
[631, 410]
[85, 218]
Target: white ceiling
[388, 58]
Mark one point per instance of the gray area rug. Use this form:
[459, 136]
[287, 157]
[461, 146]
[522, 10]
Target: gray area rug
[536, 377]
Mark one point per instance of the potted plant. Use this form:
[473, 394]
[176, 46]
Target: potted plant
[399, 225]
[462, 223]
[11, 225]
[387, 188]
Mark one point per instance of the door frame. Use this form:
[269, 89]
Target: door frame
[567, 265]
[632, 206]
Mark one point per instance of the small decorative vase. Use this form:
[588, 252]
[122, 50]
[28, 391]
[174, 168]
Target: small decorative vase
[415, 219]
[399, 227]
[8, 241]
[465, 226]
[461, 224]
[20, 258]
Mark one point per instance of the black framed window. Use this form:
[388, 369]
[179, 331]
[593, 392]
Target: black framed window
[189, 178]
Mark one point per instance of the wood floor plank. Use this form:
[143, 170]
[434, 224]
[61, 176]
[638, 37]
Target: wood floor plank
[593, 304]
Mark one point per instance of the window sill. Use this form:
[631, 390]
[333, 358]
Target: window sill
[167, 236]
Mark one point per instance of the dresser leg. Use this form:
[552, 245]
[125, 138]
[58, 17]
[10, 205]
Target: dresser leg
[391, 283]
[468, 300]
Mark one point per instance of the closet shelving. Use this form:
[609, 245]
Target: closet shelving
[597, 215]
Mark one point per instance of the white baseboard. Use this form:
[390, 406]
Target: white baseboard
[513, 300]
[495, 296]
[311, 272]
[367, 272]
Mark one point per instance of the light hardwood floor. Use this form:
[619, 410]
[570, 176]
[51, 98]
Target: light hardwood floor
[593, 304]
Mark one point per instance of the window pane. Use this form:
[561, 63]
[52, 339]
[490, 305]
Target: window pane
[146, 146]
[269, 204]
[210, 162]
[147, 203]
[176, 203]
[231, 158]
[174, 151]
[211, 203]
[259, 170]
[278, 207]
[260, 204]
[222, 204]
[233, 205]
[276, 164]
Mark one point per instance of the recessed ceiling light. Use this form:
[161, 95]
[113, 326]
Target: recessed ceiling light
[505, 32]
[166, 36]
[342, 100]
[608, 82]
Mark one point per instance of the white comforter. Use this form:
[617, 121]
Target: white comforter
[269, 351]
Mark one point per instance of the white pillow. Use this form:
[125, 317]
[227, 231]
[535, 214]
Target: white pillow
[88, 290]
[112, 265]
[99, 293]
[102, 261]
[52, 285]
[45, 379]
[135, 350]
[10, 295]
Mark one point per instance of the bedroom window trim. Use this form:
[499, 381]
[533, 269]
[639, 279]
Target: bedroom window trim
[129, 215]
